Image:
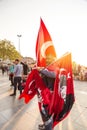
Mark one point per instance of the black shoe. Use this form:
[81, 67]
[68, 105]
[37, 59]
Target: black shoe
[41, 127]
[13, 94]
[11, 85]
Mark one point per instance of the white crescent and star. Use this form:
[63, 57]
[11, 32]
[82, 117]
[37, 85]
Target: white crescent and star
[44, 48]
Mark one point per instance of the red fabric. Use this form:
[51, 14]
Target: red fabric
[33, 82]
[31, 89]
[65, 62]
[29, 86]
[44, 46]
[57, 102]
[54, 101]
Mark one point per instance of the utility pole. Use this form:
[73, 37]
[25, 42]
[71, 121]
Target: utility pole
[19, 36]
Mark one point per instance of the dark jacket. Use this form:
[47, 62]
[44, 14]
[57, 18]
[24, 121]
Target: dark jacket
[48, 78]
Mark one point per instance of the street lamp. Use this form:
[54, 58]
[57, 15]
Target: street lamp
[19, 36]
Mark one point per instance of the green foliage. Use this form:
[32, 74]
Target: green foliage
[8, 50]
[76, 68]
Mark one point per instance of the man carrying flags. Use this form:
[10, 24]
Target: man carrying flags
[48, 78]
[53, 84]
[45, 55]
[54, 103]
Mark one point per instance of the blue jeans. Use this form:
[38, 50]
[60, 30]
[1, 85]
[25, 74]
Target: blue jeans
[49, 124]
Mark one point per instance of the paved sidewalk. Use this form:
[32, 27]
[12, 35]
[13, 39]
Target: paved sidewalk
[15, 115]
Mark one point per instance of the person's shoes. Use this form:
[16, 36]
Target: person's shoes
[41, 127]
[12, 85]
[13, 94]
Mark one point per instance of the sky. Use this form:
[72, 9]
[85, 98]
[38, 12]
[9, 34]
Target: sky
[66, 21]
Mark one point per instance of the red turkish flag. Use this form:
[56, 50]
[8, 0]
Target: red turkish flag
[44, 46]
[63, 86]
[65, 62]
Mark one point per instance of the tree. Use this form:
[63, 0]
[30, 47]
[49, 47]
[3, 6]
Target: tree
[8, 50]
[74, 67]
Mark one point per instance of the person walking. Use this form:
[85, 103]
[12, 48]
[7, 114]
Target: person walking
[18, 71]
[3, 69]
[25, 68]
[11, 73]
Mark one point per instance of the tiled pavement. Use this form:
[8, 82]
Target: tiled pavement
[15, 115]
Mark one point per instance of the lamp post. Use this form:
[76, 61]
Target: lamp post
[19, 36]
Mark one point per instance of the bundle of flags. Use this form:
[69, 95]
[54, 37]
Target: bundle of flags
[60, 105]
[62, 99]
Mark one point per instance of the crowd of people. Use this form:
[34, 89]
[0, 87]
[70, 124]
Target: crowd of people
[17, 72]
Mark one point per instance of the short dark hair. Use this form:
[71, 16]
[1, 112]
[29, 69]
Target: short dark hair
[17, 60]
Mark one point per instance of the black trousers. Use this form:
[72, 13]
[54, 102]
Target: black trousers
[47, 119]
[11, 78]
[17, 84]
